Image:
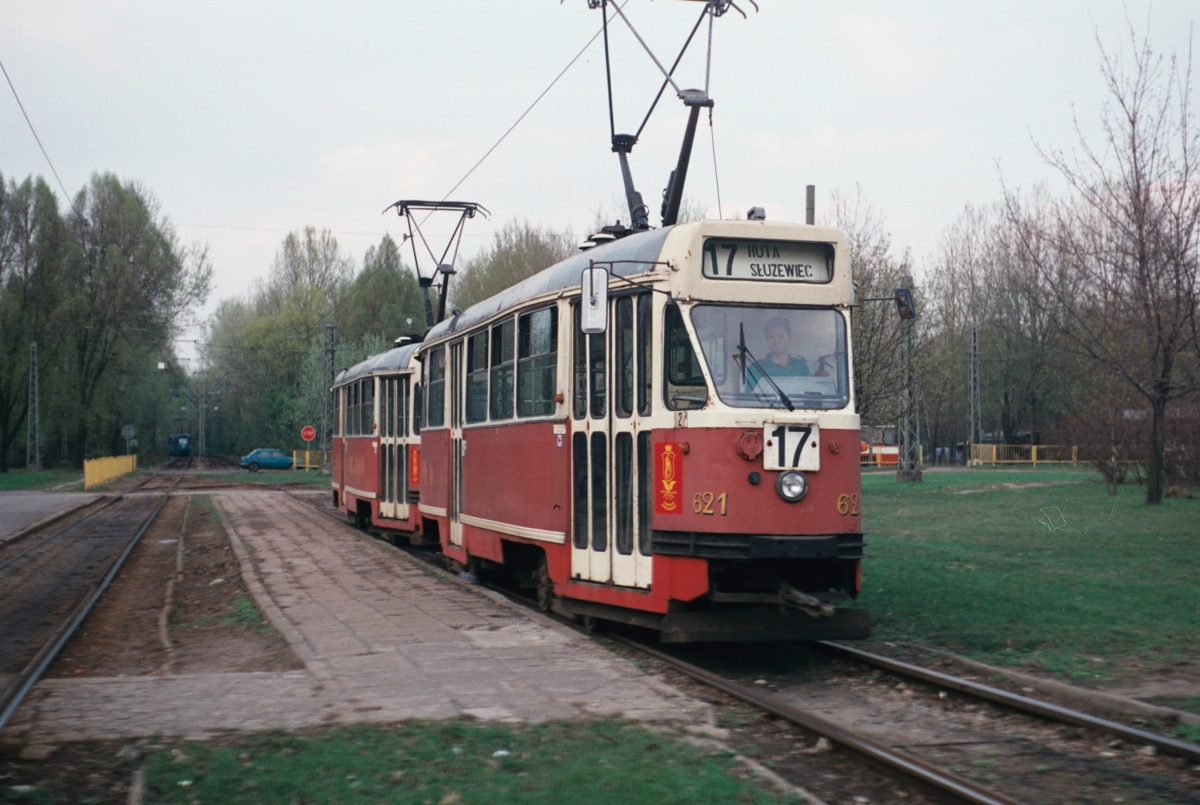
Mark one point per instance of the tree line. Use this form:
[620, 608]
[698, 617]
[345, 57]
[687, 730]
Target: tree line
[102, 288]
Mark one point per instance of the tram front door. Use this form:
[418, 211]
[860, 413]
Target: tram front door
[610, 445]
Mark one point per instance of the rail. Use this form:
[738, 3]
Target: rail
[310, 459]
[99, 471]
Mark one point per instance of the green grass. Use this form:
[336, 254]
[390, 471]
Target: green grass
[245, 613]
[451, 762]
[272, 477]
[1061, 573]
[21, 479]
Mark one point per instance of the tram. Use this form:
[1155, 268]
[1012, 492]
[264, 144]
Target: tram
[376, 452]
[658, 431]
[179, 445]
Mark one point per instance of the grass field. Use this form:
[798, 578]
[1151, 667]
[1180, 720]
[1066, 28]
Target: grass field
[1033, 565]
[272, 477]
[15, 480]
[452, 762]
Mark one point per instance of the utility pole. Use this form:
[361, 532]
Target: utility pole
[908, 467]
[326, 408]
[33, 428]
[974, 430]
[203, 415]
[62, 450]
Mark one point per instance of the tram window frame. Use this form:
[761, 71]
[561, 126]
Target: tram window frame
[579, 374]
[337, 412]
[403, 384]
[368, 407]
[502, 388]
[352, 409]
[435, 399]
[533, 367]
[418, 407]
[476, 408]
[644, 346]
[675, 334]
[623, 359]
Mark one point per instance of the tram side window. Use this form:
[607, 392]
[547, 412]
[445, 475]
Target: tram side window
[684, 388]
[623, 400]
[402, 407]
[352, 410]
[368, 406]
[416, 411]
[645, 327]
[537, 362]
[501, 394]
[337, 412]
[436, 409]
[477, 377]
[579, 365]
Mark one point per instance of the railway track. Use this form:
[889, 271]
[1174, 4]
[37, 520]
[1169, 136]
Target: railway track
[936, 779]
[48, 588]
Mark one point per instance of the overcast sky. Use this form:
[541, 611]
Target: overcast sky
[250, 119]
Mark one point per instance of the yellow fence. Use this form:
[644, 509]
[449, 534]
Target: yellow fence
[100, 471]
[310, 459]
[995, 454]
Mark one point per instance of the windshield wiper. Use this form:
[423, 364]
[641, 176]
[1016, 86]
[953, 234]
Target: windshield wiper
[745, 353]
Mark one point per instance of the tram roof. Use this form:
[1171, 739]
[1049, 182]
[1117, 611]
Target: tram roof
[643, 247]
[393, 360]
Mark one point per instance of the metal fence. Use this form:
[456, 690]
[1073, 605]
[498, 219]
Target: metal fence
[99, 471]
[310, 459]
[991, 455]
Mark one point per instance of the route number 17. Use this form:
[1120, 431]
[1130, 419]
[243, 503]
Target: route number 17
[791, 447]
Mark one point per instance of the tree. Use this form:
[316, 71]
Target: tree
[518, 251]
[1119, 257]
[128, 281]
[32, 247]
[876, 329]
[384, 299]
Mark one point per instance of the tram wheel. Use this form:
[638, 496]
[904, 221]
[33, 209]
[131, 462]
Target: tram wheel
[545, 587]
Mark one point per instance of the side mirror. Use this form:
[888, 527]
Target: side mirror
[594, 310]
[904, 304]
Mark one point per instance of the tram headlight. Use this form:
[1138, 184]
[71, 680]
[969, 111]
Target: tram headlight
[791, 486]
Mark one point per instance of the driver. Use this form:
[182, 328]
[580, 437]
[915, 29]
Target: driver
[779, 362]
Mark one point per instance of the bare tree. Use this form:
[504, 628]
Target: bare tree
[876, 328]
[1118, 258]
[519, 250]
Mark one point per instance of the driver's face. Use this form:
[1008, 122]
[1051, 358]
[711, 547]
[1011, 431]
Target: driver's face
[777, 341]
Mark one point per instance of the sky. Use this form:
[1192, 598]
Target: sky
[247, 120]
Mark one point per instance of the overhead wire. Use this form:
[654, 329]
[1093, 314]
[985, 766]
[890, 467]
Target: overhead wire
[524, 114]
[33, 131]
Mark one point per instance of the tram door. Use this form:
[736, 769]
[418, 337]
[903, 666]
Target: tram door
[610, 446]
[393, 448]
[457, 444]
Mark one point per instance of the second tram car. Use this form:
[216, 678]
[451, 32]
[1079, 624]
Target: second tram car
[376, 452]
[693, 467]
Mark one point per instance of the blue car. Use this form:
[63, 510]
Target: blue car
[267, 458]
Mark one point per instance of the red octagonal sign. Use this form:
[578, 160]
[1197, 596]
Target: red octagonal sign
[308, 433]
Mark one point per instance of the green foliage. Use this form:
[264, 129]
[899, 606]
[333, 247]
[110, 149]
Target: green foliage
[103, 292]
[420, 762]
[384, 300]
[1029, 565]
[518, 251]
[46, 479]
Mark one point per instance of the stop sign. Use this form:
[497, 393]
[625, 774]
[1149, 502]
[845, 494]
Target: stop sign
[308, 433]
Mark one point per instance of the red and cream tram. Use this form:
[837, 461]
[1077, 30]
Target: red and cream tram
[376, 451]
[690, 464]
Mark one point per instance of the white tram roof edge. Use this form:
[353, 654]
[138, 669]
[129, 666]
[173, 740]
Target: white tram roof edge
[640, 251]
[394, 360]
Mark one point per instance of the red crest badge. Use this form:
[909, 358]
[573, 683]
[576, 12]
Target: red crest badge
[414, 466]
[668, 481]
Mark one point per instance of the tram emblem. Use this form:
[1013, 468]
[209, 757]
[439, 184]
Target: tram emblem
[414, 466]
[668, 488]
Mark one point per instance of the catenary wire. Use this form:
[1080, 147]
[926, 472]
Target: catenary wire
[32, 130]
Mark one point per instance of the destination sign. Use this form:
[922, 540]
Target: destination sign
[768, 260]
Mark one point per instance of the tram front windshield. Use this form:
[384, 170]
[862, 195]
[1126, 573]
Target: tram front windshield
[768, 357]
